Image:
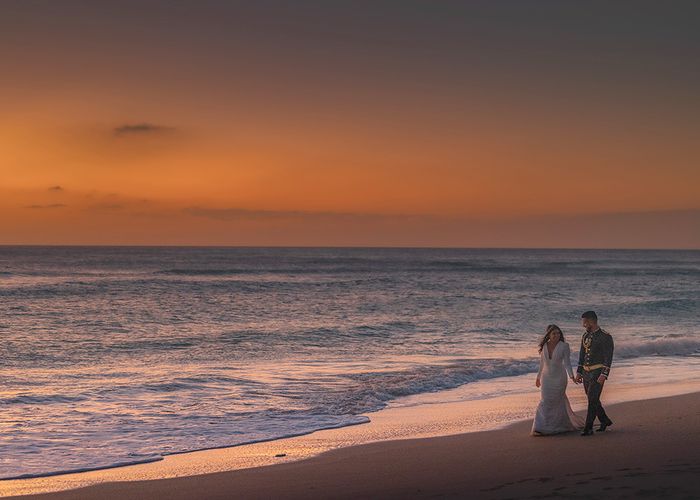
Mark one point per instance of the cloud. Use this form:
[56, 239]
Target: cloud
[655, 229]
[106, 206]
[51, 205]
[140, 129]
[243, 213]
[56, 189]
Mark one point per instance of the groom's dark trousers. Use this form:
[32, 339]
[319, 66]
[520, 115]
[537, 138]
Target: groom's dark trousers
[593, 390]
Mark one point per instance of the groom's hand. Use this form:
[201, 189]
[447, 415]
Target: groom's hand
[602, 379]
[579, 378]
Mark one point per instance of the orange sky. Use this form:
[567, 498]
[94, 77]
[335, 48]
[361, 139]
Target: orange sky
[210, 124]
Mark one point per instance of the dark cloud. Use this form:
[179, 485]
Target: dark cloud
[139, 129]
[56, 189]
[51, 205]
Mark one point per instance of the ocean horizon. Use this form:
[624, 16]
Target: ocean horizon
[124, 354]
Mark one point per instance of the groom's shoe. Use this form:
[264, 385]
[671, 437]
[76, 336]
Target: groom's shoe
[605, 425]
[587, 432]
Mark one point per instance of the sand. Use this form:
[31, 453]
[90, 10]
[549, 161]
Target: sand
[651, 451]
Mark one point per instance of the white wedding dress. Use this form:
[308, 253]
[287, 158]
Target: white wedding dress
[554, 413]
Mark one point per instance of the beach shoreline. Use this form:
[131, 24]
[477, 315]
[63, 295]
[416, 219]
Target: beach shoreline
[668, 425]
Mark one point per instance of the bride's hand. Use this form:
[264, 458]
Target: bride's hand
[537, 382]
[573, 379]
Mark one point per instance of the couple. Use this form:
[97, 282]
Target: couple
[554, 414]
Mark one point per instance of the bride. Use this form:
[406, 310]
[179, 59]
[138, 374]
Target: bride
[554, 413]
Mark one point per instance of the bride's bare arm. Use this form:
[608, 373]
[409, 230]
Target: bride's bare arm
[567, 361]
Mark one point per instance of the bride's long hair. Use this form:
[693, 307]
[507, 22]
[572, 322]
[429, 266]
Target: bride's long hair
[550, 329]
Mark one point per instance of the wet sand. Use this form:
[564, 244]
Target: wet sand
[653, 450]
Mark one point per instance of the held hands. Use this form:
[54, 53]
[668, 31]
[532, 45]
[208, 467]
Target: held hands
[575, 380]
[579, 378]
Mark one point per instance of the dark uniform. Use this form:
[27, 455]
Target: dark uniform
[595, 359]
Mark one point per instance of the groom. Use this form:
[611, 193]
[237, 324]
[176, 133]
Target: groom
[595, 358]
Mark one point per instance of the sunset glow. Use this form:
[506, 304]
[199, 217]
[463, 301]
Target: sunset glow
[346, 125]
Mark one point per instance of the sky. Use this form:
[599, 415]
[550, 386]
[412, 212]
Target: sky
[359, 123]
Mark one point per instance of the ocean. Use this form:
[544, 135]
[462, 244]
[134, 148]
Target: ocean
[117, 355]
